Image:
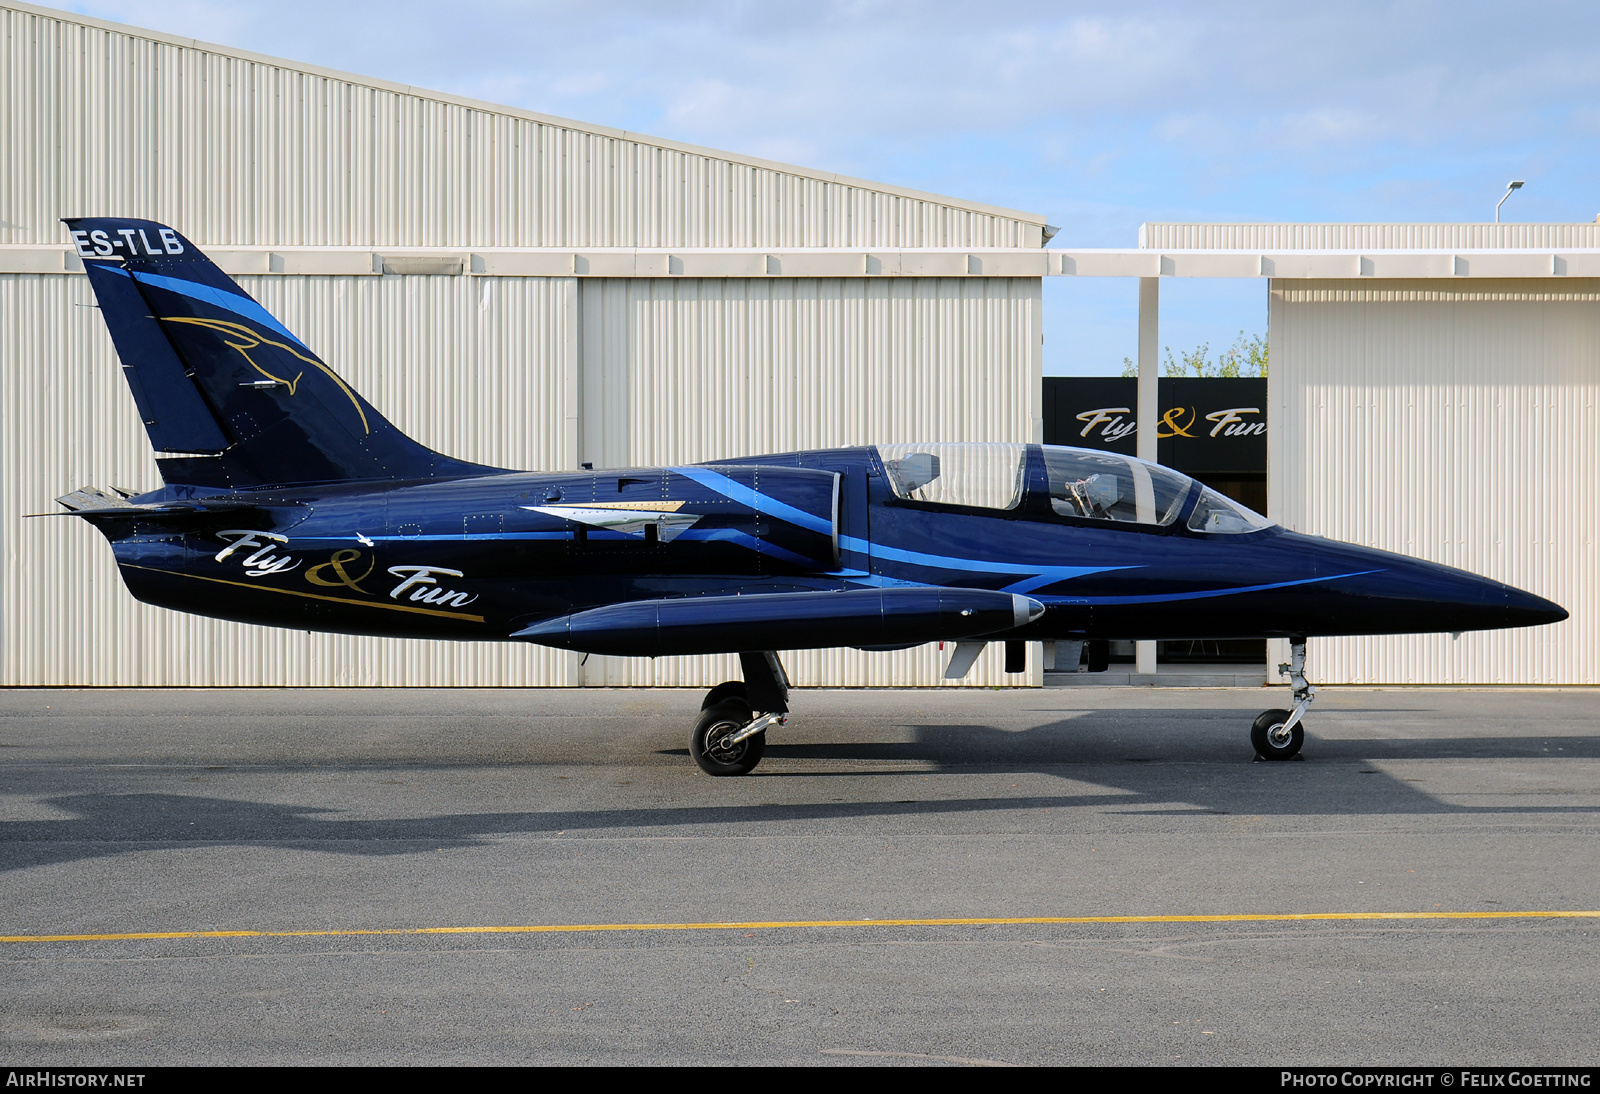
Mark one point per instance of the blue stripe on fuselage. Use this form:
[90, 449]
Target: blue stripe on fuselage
[1038, 576]
[1164, 598]
[756, 500]
[745, 539]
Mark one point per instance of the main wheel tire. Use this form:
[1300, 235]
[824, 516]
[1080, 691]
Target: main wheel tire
[1267, 738]
[728, 689]
[716, 725]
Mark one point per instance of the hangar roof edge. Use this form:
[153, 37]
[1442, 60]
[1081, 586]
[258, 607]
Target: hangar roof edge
[1368, 235]
[518, 112]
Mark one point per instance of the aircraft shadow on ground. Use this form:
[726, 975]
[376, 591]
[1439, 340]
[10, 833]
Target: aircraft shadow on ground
[108, 824]
[1160, 762]
[1213, 737]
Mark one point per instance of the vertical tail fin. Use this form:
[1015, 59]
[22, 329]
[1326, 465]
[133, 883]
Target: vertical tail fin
[229, 397]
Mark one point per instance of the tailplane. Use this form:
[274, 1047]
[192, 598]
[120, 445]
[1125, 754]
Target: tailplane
[230, 398]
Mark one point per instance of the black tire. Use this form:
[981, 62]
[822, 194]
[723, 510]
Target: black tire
[724, 720]
[1261, 736]
[728, 689]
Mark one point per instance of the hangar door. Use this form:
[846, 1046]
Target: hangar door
[678, 370]
[1458, 422]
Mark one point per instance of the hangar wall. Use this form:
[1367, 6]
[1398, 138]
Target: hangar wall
[1458, 422]
[241, 150]
[703, 369]
[234, 148]
[518, 372]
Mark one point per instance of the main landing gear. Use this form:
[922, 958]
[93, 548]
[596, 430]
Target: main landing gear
[1278, 734]
[731, 732]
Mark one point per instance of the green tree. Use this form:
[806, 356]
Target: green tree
[1246, 357]
[1195, 362]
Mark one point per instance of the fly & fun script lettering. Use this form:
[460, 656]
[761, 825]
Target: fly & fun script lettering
[264, 553]
[1115, 422]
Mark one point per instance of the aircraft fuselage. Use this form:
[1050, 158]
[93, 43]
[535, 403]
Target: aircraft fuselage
[485, 557]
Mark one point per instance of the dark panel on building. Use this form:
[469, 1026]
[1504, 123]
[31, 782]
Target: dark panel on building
[1212, 429]
[1208, 428]
[1091, 412]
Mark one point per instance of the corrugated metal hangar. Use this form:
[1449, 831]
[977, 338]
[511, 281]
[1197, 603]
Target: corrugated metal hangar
[533, 292]
[1434, 390]
[509, 288]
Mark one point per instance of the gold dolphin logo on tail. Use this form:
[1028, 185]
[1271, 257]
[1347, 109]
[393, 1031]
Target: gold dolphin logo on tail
[250, 339]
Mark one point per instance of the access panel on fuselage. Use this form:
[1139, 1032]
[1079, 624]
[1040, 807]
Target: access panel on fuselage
[789, 515]
[741, 521]
[646, 522]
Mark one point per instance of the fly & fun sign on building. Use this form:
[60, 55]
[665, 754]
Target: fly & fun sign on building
[1212, 429]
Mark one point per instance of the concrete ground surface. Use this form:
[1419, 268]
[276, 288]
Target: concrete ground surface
[173, 811]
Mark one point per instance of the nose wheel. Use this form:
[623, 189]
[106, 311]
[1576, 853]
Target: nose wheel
[1278, 734]
[1274, 738]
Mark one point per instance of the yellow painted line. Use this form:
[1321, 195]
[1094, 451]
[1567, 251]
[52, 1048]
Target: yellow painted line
[791, 924]
[642, 506]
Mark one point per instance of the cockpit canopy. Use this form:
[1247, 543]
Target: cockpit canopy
[988, 476]
[1083, 483]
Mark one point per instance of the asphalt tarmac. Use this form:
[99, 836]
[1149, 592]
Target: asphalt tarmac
[175, 812]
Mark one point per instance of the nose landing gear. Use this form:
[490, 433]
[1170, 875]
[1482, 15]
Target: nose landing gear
[730, 735]
[1278, 734]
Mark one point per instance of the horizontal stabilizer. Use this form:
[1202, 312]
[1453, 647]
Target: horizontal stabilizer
[786, 621]
[98, 497]
[97, 501]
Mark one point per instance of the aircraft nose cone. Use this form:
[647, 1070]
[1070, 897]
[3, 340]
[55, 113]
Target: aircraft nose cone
[1460, 601]
[1526, 610]
[1380, 592]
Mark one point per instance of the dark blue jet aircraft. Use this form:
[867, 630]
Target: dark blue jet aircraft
[291, 502]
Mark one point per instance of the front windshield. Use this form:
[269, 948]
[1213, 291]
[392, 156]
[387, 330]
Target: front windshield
[988, 476]
[1106, 486]
[1217, 514]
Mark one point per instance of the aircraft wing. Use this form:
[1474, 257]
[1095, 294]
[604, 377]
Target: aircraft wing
[907, 615]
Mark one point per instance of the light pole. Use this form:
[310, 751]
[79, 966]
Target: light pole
[1511, 187]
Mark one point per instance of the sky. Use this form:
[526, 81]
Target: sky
[1100, 116]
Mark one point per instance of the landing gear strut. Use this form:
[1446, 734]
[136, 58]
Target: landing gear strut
[731, 733]
[1278, 734]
